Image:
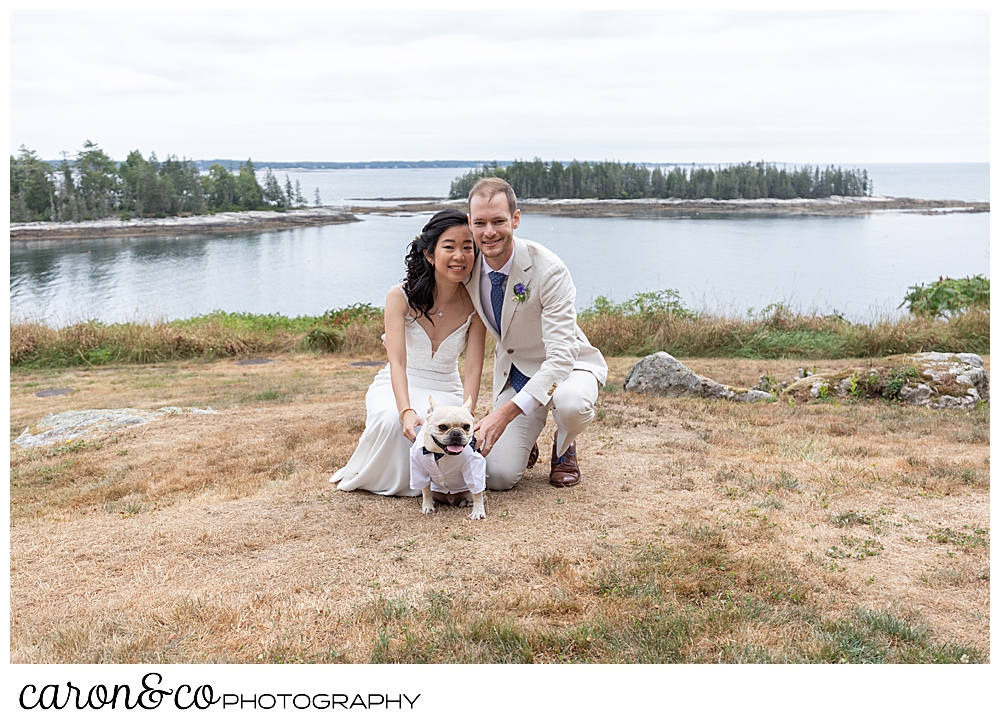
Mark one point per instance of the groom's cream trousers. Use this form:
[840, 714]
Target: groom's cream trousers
[572, 406]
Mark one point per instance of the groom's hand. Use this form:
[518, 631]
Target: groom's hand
[491, 427]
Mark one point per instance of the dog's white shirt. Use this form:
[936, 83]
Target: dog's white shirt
[450, 474]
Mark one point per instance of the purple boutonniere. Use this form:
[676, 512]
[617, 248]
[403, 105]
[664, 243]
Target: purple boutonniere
[521, 293]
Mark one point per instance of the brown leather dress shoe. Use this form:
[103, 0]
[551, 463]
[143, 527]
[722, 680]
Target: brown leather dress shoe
[565, 471]
[533, 456]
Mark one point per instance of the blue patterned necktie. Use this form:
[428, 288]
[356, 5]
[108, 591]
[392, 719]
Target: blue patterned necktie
[496, 294]
[517, 378]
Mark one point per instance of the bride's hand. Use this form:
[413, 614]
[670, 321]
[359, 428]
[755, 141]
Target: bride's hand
[411, 421]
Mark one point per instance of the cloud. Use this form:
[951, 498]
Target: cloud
[350, 86]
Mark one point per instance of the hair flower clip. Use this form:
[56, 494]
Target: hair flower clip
[521, 293]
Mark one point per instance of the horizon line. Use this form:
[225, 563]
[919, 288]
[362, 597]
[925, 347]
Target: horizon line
[462, 163]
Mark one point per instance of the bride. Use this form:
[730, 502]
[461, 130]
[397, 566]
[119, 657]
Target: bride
[429, 320]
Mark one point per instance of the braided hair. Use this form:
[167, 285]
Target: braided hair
[418, 284]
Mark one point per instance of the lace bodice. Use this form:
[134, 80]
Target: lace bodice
[440, 368]
[422, 362]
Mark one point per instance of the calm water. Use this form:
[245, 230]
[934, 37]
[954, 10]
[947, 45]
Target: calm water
[857, 266]
[962, 181]
[345, 186]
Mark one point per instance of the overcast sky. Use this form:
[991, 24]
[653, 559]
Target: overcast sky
[296, 84]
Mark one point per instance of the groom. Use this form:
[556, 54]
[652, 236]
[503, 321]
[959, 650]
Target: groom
[524, 294]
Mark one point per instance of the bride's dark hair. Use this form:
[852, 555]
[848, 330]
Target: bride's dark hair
[419, 281]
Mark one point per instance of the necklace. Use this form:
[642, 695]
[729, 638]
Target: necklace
[446, 306]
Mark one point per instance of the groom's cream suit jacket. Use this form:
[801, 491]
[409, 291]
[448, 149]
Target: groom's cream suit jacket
[539, 335]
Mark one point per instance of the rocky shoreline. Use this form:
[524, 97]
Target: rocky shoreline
[233, 221]
[221, 223]
[707, 208]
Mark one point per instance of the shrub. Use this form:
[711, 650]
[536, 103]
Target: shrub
[323, 339]
[354, 313]
[644, 304]
[948, 297]
[658, 321]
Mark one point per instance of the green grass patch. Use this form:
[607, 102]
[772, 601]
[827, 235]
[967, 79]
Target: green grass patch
[968, 537]
[266, 396]
[880, 637]
[693, 602]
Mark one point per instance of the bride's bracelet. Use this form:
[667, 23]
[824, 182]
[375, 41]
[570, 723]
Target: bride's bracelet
[408, 409]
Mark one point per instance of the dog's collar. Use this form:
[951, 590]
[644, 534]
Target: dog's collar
[438, 456]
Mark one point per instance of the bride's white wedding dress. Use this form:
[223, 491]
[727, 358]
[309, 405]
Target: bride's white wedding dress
[381, 463]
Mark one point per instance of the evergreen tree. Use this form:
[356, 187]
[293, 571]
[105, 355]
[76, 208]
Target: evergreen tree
[220, 188]
[657, 183]
[69, 208]
[317, 201]
[98, 181]
[32, 188]
[184, 179]
[248, 193]
[141, 187]
[273, 195]
[300, 200]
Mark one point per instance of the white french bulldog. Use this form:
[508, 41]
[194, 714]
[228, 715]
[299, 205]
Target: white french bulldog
[444, 464]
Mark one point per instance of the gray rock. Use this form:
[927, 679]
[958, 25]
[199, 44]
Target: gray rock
[919, 395]
[935, 356]
[973, 360]
[662, 374]
[932, 379]
[91, 424]
[767, 383]
[947, 401]
[963, 370]
[714, 391]
[754, 396]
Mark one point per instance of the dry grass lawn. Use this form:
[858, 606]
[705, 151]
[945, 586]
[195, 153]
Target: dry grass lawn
[703, 531]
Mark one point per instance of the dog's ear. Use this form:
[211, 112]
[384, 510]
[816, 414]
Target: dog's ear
[468, 404]
[430, 401]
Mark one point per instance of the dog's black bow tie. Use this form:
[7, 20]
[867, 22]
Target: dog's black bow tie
[438, 456]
